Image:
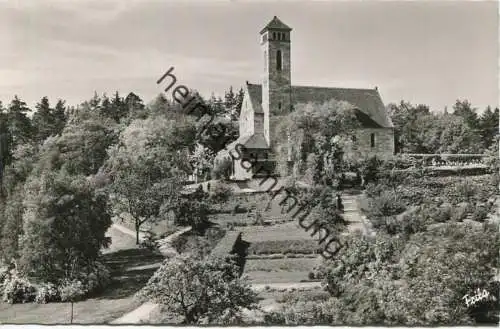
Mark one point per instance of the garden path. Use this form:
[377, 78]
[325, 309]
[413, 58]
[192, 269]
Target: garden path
[354, 216]
[143, 313]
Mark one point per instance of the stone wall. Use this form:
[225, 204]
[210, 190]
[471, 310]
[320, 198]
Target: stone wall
[384, 143]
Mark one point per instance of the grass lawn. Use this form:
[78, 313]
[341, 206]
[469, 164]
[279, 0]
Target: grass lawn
[285, 270]
[160, 229]
[277, 276]
[116, 300]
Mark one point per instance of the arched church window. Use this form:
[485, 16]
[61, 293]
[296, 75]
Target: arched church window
[278, 60]
[372, 140]
[274, 35]
[279, 105]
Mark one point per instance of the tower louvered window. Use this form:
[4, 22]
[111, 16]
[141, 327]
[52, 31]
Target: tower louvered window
[278, 60]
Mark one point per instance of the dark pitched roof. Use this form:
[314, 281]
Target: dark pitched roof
[276, 24]
[367, 101]
[255, 93]
[255, 141]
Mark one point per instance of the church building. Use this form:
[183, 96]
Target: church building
[264, 103]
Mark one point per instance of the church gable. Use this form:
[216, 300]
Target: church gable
[246, 120]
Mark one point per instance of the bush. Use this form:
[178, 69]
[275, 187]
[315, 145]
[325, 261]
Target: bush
[388, 203]
[98, 278]
[72, 290]
[222, 168]
[480, 213]
[460, 211]
[47, 293]
[220, 193]
[18, 290]
[4, 274]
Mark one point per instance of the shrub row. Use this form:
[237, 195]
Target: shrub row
[280, 256]
[15, 288]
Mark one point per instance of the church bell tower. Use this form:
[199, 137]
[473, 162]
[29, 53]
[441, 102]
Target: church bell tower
[276, 77]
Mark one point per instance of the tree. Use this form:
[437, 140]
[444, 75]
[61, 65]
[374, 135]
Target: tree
[148, 167]
[222, 167]
[60, 118]
[105, 107]
[141, 190]
[65, 223]
[201, 291]
[233, 102]
[134, 107]
[160, 106]
[201, 160]
[219, 130]
[403, 116]
[464, 109]
[19, 124]
[414, 280]
[456, 136]
[119, 108]
[12, 223]
[418, 130]
[83, 144]
[5, 144]
[317, 144]
[192, 211]
[367, 168]
[43, 120]
[220, 193]
[230, 101]
[489, 126]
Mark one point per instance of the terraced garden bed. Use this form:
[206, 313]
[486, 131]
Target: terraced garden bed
[283, 264]
[284, 247]
[286, 231]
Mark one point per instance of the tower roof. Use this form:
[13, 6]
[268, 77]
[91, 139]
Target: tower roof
[276, 24]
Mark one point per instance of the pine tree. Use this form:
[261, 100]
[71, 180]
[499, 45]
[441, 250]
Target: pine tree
[43, 120]
[230, 99]
[239, 103]
[161, 106]
[19, 124]
[95, 101]
[488, 123]
[117, 108]
[134, 106]
[60, 117]
[465, 110]
[5, 144]
[105, 107]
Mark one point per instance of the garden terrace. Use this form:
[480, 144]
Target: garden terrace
[227, 245]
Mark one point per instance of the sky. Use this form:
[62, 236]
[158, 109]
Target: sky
[423, 52]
